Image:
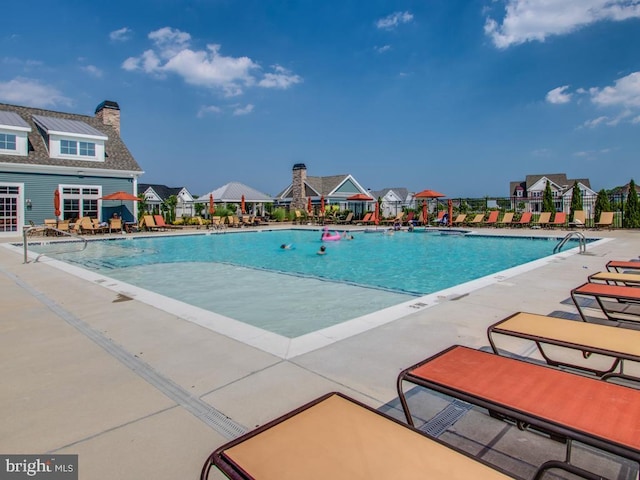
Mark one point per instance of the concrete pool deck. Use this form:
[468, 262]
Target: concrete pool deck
[138, 392]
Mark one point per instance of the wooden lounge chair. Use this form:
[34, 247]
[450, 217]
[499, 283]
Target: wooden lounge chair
[91, 225]
[606, 220]
[618, 344]
[525, 219]
[507, 219]
[615, 278]
[150, 223]
[115, 225]
[347, 220]
[579, 219]
[477, 220]
[391, 221]
[492, 219]
[547, 399]
[336, 437]
[559, 220]
[460, 219]
[616, 303]
[543, 220]
[620, 266]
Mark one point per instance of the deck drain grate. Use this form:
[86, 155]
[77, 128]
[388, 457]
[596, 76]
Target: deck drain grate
[445, 418]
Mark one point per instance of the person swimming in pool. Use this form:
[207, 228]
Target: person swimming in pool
[322, 250]
[286, 246]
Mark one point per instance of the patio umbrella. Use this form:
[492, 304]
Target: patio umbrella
[450, 205]
[360, 198]
[309, 208]
[424, 212]
[376, 214]
[122, 196]
[322, 204]
[56, 202]
[212, 208]
[242, 205]
[428, 194]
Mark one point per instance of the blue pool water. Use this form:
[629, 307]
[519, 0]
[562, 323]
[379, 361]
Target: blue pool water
[248, 277]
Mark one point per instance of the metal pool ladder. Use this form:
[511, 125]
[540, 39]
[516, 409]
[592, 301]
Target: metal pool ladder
[44, 229]
[581, 239]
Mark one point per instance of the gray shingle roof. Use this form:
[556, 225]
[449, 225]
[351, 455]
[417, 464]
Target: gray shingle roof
[233, 191]
[117, 157]
[163, 191]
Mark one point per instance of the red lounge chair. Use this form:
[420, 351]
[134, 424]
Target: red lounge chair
[160, 223]
[525, 219]
[619, 266]
[492, 219]
[559, 220]
[336, 437]
[546, 398]
[616, 303]
[367, 218]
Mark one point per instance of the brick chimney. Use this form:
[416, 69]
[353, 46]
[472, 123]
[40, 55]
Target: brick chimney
[299, 199]
[109, 113]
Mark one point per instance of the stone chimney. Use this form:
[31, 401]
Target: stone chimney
[109, 113]
[299, 199]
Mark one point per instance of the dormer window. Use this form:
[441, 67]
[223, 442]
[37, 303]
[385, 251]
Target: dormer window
[13, 134]
[7, 141]
[72, 139]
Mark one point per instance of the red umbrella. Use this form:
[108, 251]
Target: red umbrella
[322, 204]
[242, 205]
[429, 194]
[424, 212]
[56, 202]
[450, 205]
[309, 205]
[122, 196]
[212, 208]
[376, 214]
[359, 197]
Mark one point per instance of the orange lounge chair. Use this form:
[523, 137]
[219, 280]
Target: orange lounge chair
[619, 266]
[546, 398]
[492, 219]
[367, 218]
[525, 219]
[409, 220]
[336, 437]
[615, 302]
[160, 223]
[559, 220]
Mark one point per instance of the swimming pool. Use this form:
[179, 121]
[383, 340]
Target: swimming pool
[247, 277]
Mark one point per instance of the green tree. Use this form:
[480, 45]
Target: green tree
[576, 200]
[142, 205]
[602, 204]
[199, 208]
[170, 205]
[547, 199]
[632, 208]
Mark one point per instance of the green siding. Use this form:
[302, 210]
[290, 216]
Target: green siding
[348, 187]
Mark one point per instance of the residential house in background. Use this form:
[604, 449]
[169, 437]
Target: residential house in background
[393, 200]
[526, 196]
[334, 190]
[232, 194]
[155, 195]
[82, 157]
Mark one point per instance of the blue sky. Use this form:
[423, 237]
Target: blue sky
[460, 96]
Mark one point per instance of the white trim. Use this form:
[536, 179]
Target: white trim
[74, 171]
[21, 208]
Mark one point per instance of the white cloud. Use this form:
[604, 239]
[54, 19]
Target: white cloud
[172, 53]
[31, 93]
[393, 20]
[636, 120]
[559, 95]
[121, 35]
[625, 92]
[282, 78]
[535, 20]
[383, 49]
[595, 122]
[92, 70]
[243, 110]
[204, 110]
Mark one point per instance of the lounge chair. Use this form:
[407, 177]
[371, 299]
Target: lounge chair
[621, 266]
[615, 278]
[347, 220]
[579, 219]
[559, 220]
[92, 225]
[150, 223]
[543, 220]
[525, 219]
[460, 219]
[336, 436]
[160, 223]
[477, 220]
[492, 219]
[618, 344]
[565, 405]
[606, 220]
[367, 218]
[392, 221]
[616, 303]
[438, 220]
[506, 220]
[115, 224]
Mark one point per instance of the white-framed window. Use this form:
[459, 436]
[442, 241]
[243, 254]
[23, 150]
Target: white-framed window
[8, 141]
[11, 210]
[80, 201]
[73, 148]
